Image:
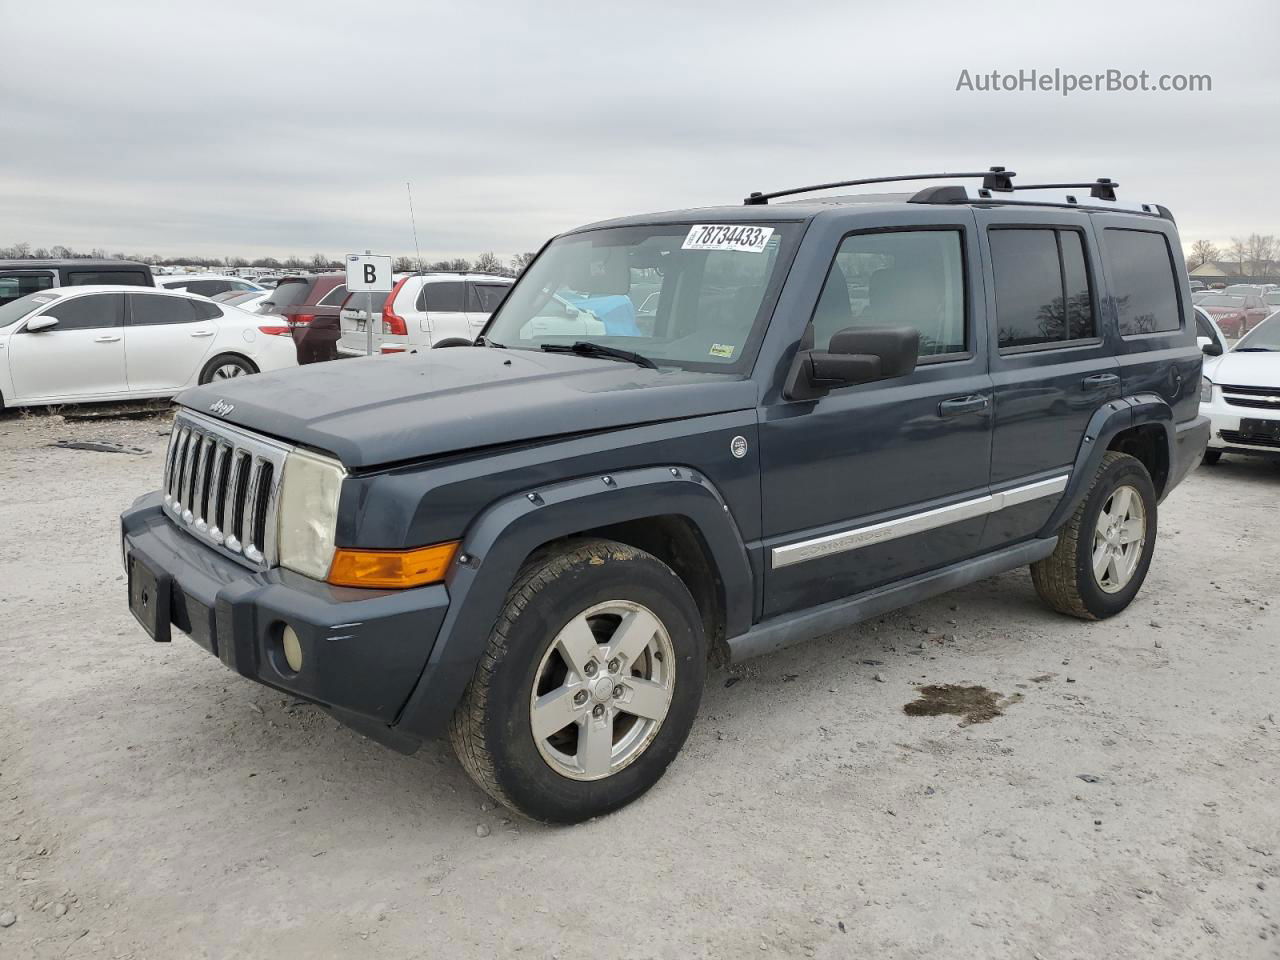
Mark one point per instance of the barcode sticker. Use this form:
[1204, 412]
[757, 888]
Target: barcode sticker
[727, 236]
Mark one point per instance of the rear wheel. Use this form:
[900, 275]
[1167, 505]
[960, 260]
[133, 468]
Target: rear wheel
[227, 366]
[589, 684]
[1105, 549]
[1211, 457]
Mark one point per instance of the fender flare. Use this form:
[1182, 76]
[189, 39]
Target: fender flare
[1107, 422]
[506, 533]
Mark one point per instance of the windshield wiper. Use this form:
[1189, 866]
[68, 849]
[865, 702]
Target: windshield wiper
[585, 348]
[1253, 350]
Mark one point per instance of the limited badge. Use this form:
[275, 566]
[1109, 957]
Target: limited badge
[738, 447]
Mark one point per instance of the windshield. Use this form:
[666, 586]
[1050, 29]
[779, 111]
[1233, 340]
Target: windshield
[1221, 300]
[15, 310]
[681, 295]
[1265, 336]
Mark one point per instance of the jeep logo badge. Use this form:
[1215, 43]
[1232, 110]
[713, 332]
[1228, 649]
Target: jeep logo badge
[738, 447]
[222, 408]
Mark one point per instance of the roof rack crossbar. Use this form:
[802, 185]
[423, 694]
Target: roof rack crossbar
[1104, 188]
[997, 178]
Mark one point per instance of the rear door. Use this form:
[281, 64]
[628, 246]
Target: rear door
[83, 356]
[1052, 359]
[441, 305]
[166, 340]
[483, 298]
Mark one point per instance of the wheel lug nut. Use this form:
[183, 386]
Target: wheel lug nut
[580, 697]
[590, 669]
[613, 665]
[618, 691]
[598, 710]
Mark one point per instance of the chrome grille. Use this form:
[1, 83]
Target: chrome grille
[1259, 398]
[222, 484]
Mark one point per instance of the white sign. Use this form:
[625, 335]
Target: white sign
[724, 236]
[367, 274]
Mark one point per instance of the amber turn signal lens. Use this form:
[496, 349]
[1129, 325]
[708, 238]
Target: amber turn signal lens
[391, 569]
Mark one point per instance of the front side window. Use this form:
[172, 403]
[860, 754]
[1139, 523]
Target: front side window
[1042, 287]
[912, 278]
[15, 285]
[15, 310]
[704, 289]
[1143, 286]
[92, 312]
[485, 297]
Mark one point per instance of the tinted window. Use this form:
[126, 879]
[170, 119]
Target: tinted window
[1042, 287]
[334, 297]
[147, 310]
[445, 296]
[909, 278]
[15, 310]
[132, 278]
[90, 312]
[15, 285]
[1143, 286]
[206, 288]
[286, 294]
[485, 297]
[205, 311]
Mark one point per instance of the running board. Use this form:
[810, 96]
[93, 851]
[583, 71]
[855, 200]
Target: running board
[784, 630]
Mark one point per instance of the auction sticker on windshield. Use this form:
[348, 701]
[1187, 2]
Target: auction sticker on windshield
[725, 236]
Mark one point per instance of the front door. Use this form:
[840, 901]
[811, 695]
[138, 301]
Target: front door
[482, 300]
[877, 482]
[83, 356]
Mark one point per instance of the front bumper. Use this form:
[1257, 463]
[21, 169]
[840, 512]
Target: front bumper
[363, 650]
[1226, 435]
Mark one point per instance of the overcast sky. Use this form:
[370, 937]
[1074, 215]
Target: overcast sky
[287, 127]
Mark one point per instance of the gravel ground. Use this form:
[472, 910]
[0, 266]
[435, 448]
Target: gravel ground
[152, 804]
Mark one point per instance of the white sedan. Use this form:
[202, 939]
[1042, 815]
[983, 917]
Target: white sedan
[1240, 394]
[96, 343]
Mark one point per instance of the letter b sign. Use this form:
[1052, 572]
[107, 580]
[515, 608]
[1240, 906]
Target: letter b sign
[368, 274]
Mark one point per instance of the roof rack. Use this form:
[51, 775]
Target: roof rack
[997, 178]
[1104, 188]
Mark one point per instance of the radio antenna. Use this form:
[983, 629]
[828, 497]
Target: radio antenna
[414, 223]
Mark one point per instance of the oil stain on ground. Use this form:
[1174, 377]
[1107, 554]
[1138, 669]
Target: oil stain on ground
[972, 704]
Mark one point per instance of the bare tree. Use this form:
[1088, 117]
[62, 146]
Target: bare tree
[1238, 253]
[1202, 252]
[488, 263]
[404, 265]
[319, 261]
[1261, 250]
[520, 261]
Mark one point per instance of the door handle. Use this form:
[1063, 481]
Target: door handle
[959, 406]
[202, 333]
[106, 339]
[1100, 381]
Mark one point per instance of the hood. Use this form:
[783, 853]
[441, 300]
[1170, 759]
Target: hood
[372, 411]
[1244, 369]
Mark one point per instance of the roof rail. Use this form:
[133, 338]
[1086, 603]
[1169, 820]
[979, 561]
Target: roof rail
[997, 178]
[1104, 188]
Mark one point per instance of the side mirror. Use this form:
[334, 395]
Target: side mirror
[42, 322]
[1209, 348]
[854, 355]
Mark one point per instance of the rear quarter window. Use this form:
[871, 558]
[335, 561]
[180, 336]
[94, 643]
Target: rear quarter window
[84, 278]
[1144, 288]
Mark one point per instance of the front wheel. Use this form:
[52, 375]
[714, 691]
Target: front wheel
[589, 684]
[1105, 549]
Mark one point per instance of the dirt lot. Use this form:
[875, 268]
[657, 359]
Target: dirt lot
[154, 805]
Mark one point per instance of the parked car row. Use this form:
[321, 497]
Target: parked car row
[1240, 389]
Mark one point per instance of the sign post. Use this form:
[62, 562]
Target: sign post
[368, 274]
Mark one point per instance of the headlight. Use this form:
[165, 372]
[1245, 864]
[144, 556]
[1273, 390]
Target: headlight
[1206, 390]
[309, 513]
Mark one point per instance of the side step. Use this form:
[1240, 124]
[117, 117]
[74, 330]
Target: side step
[778, 632]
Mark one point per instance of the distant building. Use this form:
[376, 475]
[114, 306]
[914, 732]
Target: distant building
[1235, 270]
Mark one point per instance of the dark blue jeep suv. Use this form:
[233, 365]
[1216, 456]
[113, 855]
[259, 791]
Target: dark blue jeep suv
[838, 406]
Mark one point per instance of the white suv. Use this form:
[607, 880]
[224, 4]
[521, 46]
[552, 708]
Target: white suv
[422, 310]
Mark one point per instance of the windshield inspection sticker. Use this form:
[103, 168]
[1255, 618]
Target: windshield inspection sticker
[722, 350]
[723, 236]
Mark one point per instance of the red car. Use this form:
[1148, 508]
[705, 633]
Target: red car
[1235, 314]
[310, 304]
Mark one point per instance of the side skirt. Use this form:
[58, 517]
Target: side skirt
[783, 631]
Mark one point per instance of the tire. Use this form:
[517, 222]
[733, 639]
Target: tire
[492, 729]
[452, 342]
[1066, 581]
[1211, 458]
[224, 363]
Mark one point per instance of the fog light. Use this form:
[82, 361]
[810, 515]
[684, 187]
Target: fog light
[292, 649]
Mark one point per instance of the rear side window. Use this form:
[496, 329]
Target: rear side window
[1143, 286]
[206, 288]
[205, 311]
[1043, 295]
[15, 285]
[92, 312]
[444, 296]
[900, 278]
[334, 297]
[85, 278]
[146, 310]
[485, 297]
